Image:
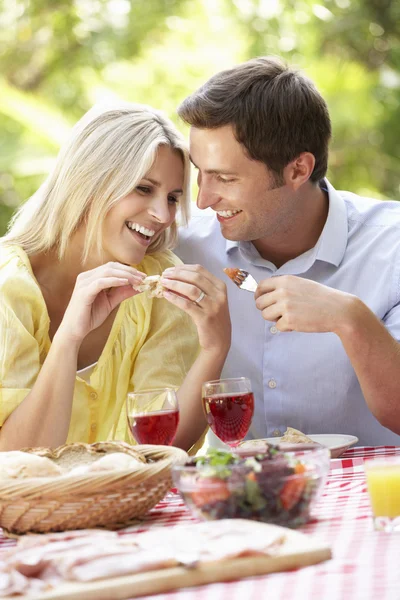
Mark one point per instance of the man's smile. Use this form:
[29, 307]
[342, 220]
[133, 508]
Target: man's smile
[224, 215]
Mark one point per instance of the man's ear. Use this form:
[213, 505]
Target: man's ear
[299, 170]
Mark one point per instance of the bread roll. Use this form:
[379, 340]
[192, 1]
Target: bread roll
[113, 461]
[17, 464]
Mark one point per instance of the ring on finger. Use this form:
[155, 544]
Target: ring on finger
[200, 298]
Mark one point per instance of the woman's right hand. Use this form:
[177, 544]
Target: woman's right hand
[96, 293]
[204, 297]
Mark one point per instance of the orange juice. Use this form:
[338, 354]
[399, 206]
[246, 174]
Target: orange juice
[383, 481]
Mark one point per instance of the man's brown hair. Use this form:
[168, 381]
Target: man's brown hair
[275, 111]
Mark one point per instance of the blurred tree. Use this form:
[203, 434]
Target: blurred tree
[351, 48]
[44, 40]
[57, 57]
[49, 50]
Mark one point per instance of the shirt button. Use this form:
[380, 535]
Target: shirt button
[273, 329]
[93, 427]
[272, 384]
[276, 433]
[93, 395]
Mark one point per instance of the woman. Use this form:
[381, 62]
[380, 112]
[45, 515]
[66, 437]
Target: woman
[75, 336]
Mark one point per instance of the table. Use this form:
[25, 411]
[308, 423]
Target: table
[365, 563]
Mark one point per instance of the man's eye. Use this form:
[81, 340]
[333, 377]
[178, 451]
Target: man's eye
[224, 179]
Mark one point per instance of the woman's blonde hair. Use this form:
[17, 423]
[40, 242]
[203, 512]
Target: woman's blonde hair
[109, 151]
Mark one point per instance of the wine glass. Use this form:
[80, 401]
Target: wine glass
[153, 416]
[229, 406]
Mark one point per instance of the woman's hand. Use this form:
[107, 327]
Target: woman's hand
[96, 293]
[203, 296]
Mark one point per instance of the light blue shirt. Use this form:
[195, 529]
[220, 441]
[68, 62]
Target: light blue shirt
[305, 380]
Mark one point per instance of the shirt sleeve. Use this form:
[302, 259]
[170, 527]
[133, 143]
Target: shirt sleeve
[19, 349]
[391, 319]
[392, 322]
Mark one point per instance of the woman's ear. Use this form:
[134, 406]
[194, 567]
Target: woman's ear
[299, 170]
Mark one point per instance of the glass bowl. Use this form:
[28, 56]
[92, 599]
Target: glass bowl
[275, 487]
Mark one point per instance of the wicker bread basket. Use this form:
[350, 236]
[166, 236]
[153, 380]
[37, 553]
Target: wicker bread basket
[103, 499]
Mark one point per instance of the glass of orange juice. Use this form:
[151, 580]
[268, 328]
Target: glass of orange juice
[383, 482]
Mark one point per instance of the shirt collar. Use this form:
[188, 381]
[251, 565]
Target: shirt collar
[230, 245]
[332, 242]
[333, 239]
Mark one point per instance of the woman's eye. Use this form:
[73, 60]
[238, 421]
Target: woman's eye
[173, 199]
[144, 189]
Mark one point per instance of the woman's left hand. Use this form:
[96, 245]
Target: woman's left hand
[203, 296]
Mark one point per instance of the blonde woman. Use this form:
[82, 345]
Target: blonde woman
[75, 337]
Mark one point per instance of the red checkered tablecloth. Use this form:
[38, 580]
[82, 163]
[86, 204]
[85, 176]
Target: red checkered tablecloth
[365, 563]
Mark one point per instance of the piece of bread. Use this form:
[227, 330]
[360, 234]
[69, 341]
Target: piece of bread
[252, 447]
[116, 460]
[152, 286]
[78, 470]
[16, 464]
[294, 436]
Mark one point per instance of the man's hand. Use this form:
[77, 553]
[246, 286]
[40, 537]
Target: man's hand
[298, 304]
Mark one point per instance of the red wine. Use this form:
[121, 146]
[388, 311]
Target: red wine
[229, 415]
[154, 428]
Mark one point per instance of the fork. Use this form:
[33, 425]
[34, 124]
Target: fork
[242, 278]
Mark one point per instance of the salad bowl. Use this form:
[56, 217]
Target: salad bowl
[273, 487]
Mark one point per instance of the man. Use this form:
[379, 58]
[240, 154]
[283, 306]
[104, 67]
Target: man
[319, 338]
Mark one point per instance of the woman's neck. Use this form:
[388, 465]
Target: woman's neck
[58, 276]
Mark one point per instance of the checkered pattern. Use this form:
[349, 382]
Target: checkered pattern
[365, 564]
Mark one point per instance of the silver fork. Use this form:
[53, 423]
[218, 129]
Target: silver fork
[242, 278]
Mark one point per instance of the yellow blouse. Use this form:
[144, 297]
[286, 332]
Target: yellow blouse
[152, 344]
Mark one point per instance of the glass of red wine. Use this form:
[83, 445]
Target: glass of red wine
[229, 407]
[153, 416]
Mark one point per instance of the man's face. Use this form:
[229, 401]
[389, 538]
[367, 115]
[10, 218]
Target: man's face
[250, 203]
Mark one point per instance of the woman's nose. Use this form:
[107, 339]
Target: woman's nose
[160, 209]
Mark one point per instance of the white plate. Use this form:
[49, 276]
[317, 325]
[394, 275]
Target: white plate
[337, 443]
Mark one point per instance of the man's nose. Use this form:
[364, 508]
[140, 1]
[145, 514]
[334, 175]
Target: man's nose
[205, 196]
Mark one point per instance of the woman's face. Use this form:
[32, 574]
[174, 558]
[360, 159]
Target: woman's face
[140, 217]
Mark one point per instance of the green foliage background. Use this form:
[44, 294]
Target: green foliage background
[59, 57]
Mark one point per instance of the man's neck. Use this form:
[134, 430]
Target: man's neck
[302, 235]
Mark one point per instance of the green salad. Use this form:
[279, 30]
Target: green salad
[274, 487]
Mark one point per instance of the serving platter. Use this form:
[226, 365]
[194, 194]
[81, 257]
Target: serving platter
[298, 550]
